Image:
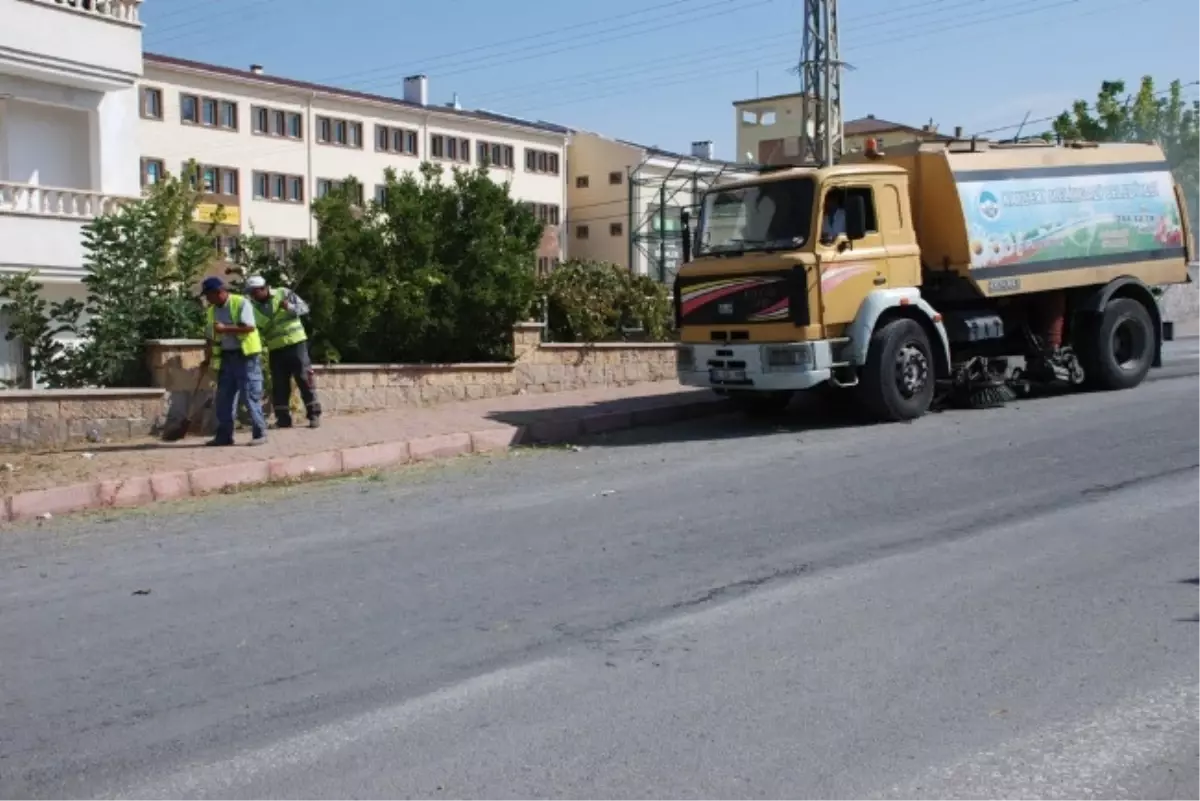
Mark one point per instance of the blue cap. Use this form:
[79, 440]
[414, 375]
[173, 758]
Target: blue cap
[211, 284]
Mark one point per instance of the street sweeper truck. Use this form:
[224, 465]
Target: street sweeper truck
[959, 270]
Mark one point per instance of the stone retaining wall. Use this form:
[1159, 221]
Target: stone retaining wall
[48, 419]
[538, 367]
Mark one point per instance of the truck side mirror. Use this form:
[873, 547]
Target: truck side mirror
[856, 217]
[685, 220]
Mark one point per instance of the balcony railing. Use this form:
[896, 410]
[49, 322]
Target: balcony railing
[120, 10]
[46, 201]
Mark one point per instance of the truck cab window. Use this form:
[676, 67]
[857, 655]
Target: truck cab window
[833, 212]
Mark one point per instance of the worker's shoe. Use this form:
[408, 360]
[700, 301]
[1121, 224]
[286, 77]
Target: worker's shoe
[314, 422]
[219, 443]
[260, 440]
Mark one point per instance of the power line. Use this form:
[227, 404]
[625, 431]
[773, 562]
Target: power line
[690, 76]
[184, 29]
[755, 45]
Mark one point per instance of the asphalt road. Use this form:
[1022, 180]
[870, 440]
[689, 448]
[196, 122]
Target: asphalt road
[980, 604]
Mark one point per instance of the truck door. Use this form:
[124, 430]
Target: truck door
[849, 270]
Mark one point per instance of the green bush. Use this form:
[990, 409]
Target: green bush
[438, 272]
[142, 264]
[590, 301]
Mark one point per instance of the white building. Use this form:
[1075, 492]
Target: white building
[268, 145]
[68, 133]
[625, 199]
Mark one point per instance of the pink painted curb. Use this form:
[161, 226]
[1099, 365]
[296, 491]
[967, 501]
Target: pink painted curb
[159, 487]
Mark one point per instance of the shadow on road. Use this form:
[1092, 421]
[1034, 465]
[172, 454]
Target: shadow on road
[1195, 617]
[806, 413]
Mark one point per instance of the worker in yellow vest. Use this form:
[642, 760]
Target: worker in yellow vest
[235, 356]
[278, 313]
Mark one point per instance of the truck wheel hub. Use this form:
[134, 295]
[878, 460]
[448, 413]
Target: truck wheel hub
[912, 370]
[1128, 343]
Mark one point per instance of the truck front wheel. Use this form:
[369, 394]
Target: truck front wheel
[1117, 349]
[897, 382]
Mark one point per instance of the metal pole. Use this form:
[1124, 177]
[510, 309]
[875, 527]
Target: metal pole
[662, 233]
[629, 232]
[827, 94]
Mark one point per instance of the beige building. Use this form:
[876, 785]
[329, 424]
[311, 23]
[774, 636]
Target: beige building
[770, 129]
[624, 200]
[886, 134]
[269, 145]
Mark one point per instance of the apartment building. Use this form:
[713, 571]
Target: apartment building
[624, 200]
[68, 135]
[269, 145]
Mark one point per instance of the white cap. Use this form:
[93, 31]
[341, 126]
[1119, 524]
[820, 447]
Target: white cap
[255, 282]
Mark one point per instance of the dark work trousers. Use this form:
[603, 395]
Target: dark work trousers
[286, 364]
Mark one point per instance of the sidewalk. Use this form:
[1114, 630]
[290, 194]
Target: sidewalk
[134, 473]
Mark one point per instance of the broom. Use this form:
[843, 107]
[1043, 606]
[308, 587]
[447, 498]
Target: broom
[180, 429]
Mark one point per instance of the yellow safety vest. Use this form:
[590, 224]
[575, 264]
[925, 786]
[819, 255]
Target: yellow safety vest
[278, 331]
[251, 343]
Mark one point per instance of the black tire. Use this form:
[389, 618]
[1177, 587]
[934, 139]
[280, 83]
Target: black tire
[897, 382]
[760, 404]
[1117, 347]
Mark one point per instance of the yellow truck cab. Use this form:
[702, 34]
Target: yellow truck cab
[894, 274]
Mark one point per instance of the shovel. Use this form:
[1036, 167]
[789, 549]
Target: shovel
[180, 429]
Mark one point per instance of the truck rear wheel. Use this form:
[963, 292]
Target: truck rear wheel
[897, 382]
[1118, 347]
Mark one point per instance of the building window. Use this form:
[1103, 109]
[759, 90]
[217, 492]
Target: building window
[495, 155]
[581, 182]
[189, 109]
[614, 229]
[339, 132]
[325, 186]
[152, 108]
[614, 178]
[395, 140]
[274, 122]
[546, 213]
[541, 161]
[213, 180]
[227, 246]
[210, 112]
[380, 194]
[450, 148]
[152, 171]
[581, 232]
[279, 188]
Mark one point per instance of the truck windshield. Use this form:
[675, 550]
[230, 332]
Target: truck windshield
[768, 216]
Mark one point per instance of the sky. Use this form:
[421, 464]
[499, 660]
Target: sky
[666, 72]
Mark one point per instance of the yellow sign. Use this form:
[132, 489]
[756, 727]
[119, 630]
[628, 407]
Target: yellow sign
[208, 213]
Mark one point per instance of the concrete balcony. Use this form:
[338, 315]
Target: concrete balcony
[42, 228]
[46, 201]
[87, 44]
[118, 10]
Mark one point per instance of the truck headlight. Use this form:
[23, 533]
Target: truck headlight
[685, 357]
[788, 357]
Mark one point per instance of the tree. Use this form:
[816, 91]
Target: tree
[437, 271]
[1146, 115]
[142, 266]
[590, 301]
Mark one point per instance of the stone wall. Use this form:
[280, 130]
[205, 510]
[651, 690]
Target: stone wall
[49, 419]
[538, 367]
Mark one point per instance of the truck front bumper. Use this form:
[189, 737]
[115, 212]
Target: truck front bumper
[776, 367]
